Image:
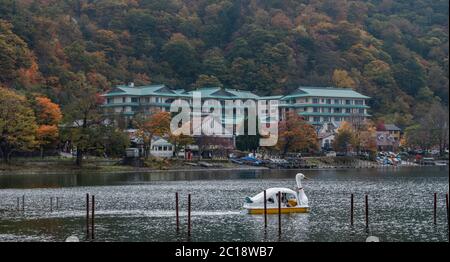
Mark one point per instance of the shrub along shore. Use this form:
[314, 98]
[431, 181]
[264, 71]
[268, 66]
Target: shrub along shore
[99, 165]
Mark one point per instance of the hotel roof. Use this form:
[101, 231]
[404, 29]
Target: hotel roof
[223, 93]
[226, 93]
[142, 91]
[325, 92]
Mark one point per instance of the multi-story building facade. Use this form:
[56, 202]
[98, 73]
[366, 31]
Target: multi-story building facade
[129, 100]
[318, 105]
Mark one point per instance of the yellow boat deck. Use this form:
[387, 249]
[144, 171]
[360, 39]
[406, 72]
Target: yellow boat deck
[284, 210]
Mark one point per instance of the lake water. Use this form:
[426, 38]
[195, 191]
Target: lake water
[141, 207]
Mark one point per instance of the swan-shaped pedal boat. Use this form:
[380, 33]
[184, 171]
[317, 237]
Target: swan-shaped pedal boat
[291, 201]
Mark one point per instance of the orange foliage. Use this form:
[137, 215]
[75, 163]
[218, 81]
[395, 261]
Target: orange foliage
[158, 124]
[30, 76]
[48, 113]
[295, 134]
[47, 133]
[99, 99]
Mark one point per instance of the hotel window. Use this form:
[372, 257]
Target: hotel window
[315, 100]
[134, 99]
[323, 100]
[109, 101]
[327, 110]
[337, 119]
[315, 109]
[348, 102]
[337, 110]
[316, 119]
[337, 101]
[157, 99]
[359, 102]
[306, 100]
[328, 101]
[326, 119]
[348, 110]
[124, 99]
[147, 100]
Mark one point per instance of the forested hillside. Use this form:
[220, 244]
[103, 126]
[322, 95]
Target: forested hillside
[395, 51]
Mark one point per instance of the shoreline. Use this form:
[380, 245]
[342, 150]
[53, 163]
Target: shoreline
[99, 170]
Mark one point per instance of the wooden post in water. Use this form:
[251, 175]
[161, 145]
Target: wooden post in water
[87, 216]
[18, 204]
[51, 204]
[434, 208]
[189, 215]
[367, 211]
[265, 209]
[351, 209]
[93, 218]
[279, 213]
[23, 203]
[446, 206]
[176, 211]
[57, 202]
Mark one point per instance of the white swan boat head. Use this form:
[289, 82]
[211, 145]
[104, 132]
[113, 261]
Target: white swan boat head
[292, 201]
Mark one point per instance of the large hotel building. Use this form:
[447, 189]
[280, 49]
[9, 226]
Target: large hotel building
[318, 105]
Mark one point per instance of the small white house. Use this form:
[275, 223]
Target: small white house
[161, 148]
[326, 140]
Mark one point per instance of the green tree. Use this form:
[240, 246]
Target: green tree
[182, 57]
[17, 124]
[83, 118]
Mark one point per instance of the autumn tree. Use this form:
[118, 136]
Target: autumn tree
[356, 134]
[207, 81]
[14, 54]
[17, 124]
[48, 117]
[432, 130]
[295, 134]
[365, 138]
[157, 124]
[344, 138]
[342, 79]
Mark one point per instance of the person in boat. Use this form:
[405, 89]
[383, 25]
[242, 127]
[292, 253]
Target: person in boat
[284, 201]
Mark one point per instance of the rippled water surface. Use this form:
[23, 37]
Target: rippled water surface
[141, 207]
